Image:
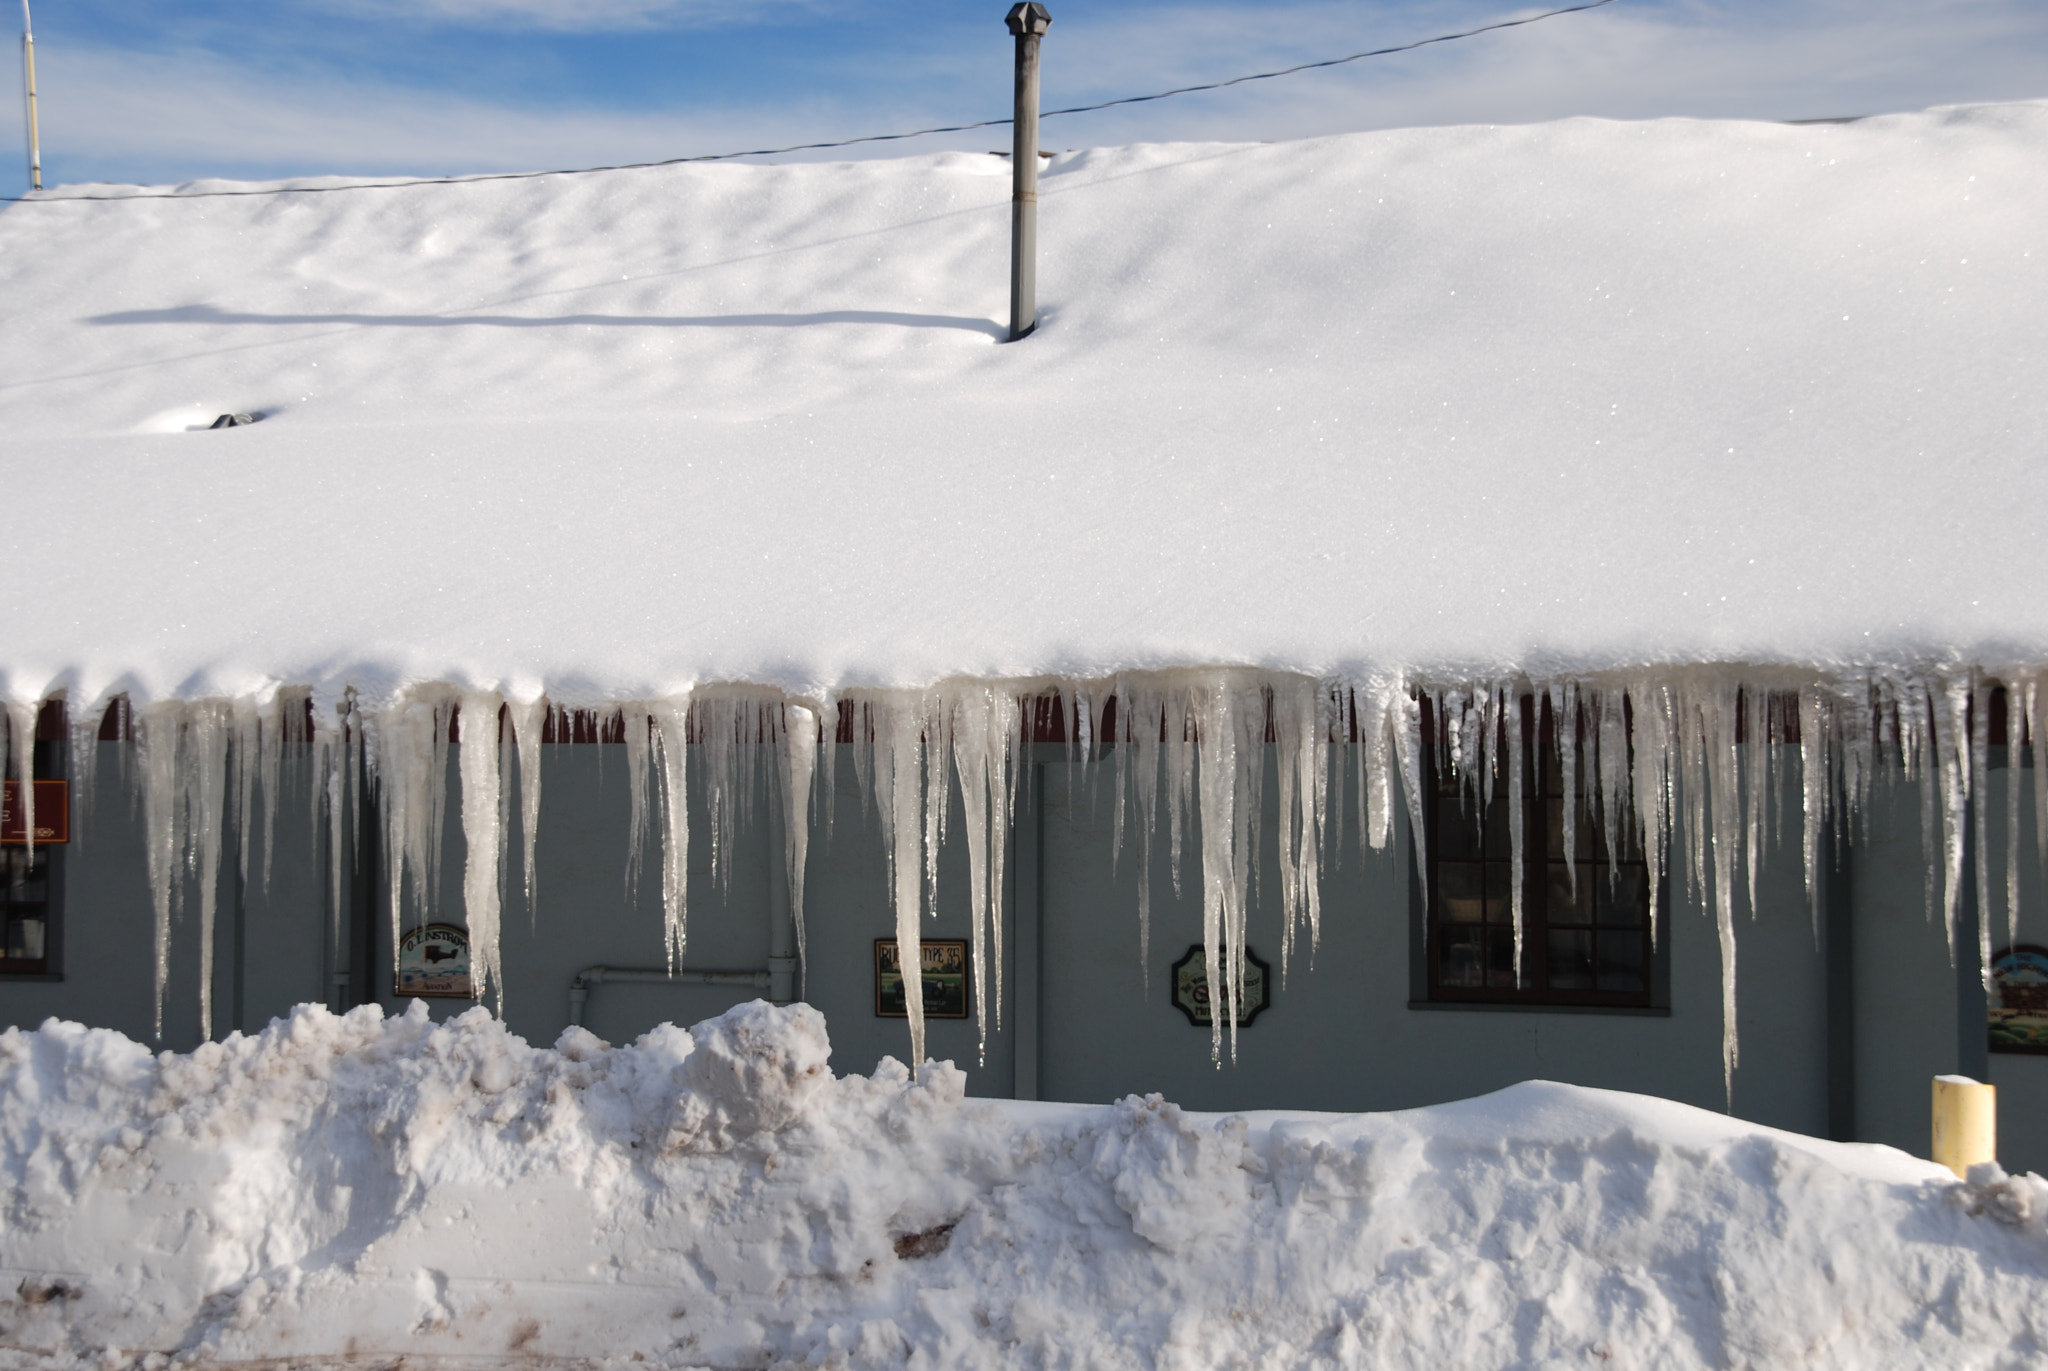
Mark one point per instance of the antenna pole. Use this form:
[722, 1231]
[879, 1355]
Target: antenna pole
[1029, 23]
[28, 77]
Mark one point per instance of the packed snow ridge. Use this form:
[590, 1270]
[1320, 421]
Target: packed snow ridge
[356, 1189]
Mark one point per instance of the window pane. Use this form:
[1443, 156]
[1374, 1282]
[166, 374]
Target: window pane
[1624, 897]
[1499, 892]
[1497, 823]
[1459, 896]
[1459, 957]
[1621, 961]
[1571, 960]
[1457, 829]
[1566, 905]
[1500, 957]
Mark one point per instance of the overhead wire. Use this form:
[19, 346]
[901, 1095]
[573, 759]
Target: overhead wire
[409, 182]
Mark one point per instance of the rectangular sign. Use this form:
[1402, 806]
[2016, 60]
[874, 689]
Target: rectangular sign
[945, 979]
[53, 813]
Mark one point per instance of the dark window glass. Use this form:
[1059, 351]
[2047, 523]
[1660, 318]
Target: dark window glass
[1585, 910]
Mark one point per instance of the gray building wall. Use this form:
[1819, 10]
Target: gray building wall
[1342, 1033]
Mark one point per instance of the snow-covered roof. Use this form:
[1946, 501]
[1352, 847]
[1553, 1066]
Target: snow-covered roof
[1570, 397]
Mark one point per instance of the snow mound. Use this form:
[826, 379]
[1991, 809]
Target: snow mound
[351, 1189]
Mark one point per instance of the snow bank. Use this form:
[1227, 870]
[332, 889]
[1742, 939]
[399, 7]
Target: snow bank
[358, 1188]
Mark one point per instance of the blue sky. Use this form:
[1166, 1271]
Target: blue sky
[171, 90]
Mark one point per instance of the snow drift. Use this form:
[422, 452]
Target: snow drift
[359, 1188]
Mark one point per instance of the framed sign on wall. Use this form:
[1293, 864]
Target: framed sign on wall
[433, 963]
[2019, 1000]
[945, 979]
[1191, 988]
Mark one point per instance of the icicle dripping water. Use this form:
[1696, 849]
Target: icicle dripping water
[897, 772]
[798, 755]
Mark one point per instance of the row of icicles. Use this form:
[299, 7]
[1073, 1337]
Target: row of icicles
[1662, 754]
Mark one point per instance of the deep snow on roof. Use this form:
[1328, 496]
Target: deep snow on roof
[1565, 397]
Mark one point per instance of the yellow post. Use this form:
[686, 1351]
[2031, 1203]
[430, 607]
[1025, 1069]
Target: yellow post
[1965, 1123]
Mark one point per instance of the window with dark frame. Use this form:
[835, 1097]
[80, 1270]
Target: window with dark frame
[1586, 922]
[31, 879]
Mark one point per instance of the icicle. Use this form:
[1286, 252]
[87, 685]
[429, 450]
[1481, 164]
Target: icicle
[1404, 718]
[529, 720]
[156, 741]
[1144, 714]
[1518, 828]
[483, 833]
[1814, 730]
[2037, 732]
[248, 755]
[638, 729]
[897, 771]
[1230, 717]
[1853, 718]
[1952, 758]
[982, 730]
[798, 746]
[1372, 776]
[410, 762]
[1980, 806]
[1720, 814]
[1301, 728]
[938, 742]
[1564, 722]
[828, 763]
[1178, 755]
[208, 728]
[2014, 707]
[84, 726]
[670, 744]
[1752, 706]
[21, 734]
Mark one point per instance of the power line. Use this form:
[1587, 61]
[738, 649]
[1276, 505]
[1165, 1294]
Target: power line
[811, 147]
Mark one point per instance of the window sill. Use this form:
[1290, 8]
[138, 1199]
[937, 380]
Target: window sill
[31, 975]
[1635, 1011]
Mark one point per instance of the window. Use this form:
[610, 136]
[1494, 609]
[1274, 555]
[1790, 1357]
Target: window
[32, 880]
[27, 911]
[1586, 921]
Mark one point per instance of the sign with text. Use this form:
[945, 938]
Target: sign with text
[945, 979]
[53, 814]
[433, 963]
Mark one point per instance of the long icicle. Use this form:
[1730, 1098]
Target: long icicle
[798, 744]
